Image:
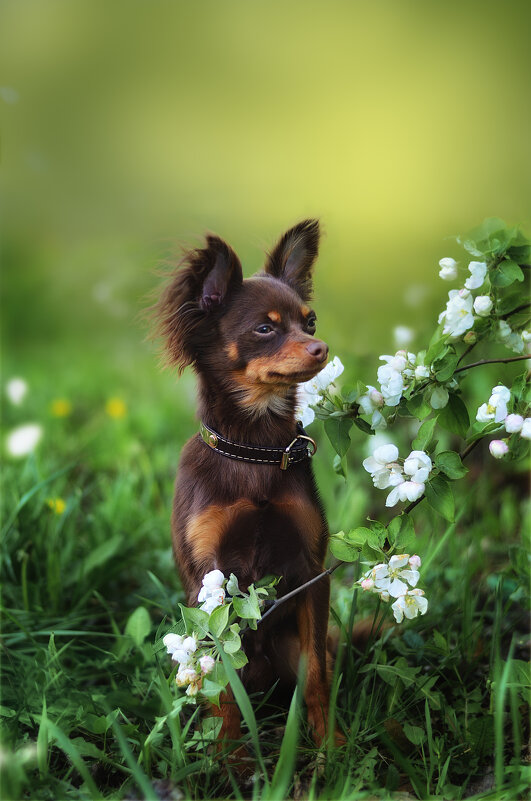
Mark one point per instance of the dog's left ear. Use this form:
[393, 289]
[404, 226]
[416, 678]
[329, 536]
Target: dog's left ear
[293, 257]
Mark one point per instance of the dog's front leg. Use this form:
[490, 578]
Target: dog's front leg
[312, 620]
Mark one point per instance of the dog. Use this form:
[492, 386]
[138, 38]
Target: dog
[245, 500]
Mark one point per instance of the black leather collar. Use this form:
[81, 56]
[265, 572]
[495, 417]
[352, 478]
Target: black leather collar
[296, 451]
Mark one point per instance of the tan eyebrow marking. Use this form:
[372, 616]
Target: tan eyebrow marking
[274, 316]
[232, 351]
[305, 310]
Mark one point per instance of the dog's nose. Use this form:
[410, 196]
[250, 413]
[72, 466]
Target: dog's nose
[318, 349]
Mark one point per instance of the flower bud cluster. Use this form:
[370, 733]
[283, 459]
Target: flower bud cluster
[393, 579]
[407, 481]
[394, 375]
[517, 341]
[192, 667]
[458, 317]
[496, 411]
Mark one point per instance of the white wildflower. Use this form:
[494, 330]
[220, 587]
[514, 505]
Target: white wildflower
[16, 389]
[214, 579]
[498, 448]
[448, 271]
[186, 675]
[403, 336]
[457, 316]
[514, 423]
[496, 408]
[210, 599]
[526, 428]
[415, 561]
[478, 271]
[410, 605]
[383, 467]
[23, 440]
[407, 491]
[418, 465]
[391, 578]
[207, 664]
[392, 384]
[483, 305]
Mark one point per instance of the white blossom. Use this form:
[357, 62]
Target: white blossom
[391, 578]
[478, 271]
[383, 467]
[439, 397]
[406, 491]
[514, 423]
[496, 408]
[186, 675]
[421, 371]
[410, 605]
[214, 579]
[310, 392]
[483, 305]
[371, 403]
[511, 339]
[418, 465]
[526, 428]
[498, 448]
[457, 316]
[207, 664]
[210, 599]
[403, 335]
[448, 271]
[16, 389]
[23, 440]
[392, 384]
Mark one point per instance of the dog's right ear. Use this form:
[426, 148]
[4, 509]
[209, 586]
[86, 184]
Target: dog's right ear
[199, 287]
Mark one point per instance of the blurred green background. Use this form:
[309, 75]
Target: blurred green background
[129, 127]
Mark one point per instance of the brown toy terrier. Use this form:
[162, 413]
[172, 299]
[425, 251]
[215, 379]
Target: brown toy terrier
[246, 500]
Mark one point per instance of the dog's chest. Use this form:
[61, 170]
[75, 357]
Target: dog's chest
[252, 539]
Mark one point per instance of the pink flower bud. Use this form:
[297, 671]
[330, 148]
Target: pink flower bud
[498, 448]
[367, 584]
[470, 337]
[415, 561]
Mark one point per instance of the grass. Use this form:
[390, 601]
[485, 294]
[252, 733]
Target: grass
[435, 709]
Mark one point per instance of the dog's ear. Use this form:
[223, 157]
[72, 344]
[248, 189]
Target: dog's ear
[293, 257]
[197, 289]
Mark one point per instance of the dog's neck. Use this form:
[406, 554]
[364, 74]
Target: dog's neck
[267, 420]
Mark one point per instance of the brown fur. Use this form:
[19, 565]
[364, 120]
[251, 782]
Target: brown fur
[242, 518]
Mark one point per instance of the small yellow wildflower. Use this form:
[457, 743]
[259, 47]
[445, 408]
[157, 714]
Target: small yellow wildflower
[57, 505]
[116, 408]
[61, 407]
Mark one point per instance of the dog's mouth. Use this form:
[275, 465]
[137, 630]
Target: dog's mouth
[291, 379]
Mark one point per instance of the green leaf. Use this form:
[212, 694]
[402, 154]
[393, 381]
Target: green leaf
[440, 497]
[451, 465]
[425, 434]
[247, 607]
[438, 347]
[414, 734]
[337, 430]
[403, 532]
[445, 366]
[232, 586]
[195, 620]
[363, 425]
[138, 625]
[219, 617]
[238, 659]
[506, 274]
[359, 536]
[454, 416]
[231, 642]
[418, 406]
[342, 549]
[340, 466]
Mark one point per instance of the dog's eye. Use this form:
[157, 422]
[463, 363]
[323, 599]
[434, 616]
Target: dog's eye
[264, 329]
[310, 325]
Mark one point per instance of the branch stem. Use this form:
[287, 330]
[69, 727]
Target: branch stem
[491, 361]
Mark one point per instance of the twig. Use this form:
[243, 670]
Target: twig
[523, 307]
[491, 361]
[469, 448]
[466, 352]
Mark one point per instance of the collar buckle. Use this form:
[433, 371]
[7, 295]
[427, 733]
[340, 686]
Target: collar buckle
[285, 459]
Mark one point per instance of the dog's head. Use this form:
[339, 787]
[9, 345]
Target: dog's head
[254, 337]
